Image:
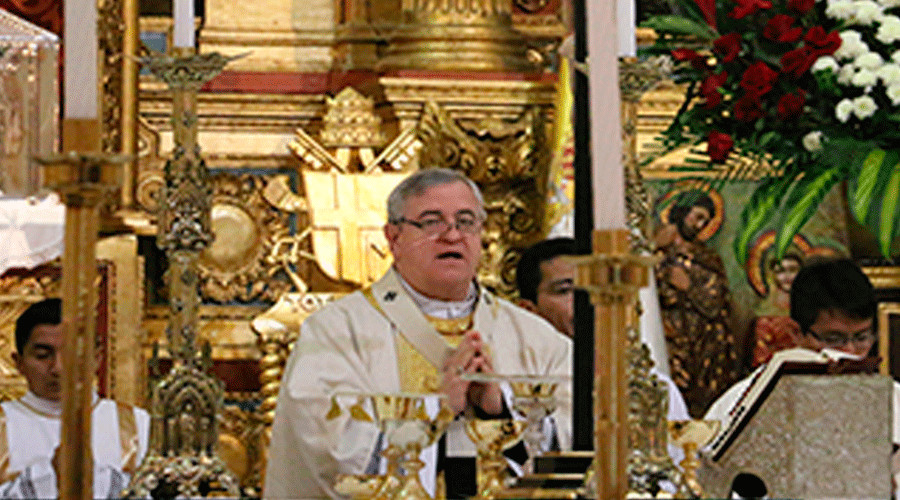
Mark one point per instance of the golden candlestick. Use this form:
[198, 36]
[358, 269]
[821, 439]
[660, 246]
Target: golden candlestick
[612, 276]
[82, 192]
[182, 459]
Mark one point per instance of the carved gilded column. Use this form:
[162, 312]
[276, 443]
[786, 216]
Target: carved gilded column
[635, 79]
[456, 35]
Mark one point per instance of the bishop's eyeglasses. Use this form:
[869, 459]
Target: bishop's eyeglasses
[433, 225]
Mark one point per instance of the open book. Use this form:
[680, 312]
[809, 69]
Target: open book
[788, 361]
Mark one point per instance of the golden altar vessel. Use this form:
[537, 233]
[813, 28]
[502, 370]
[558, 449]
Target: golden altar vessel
[408, 428]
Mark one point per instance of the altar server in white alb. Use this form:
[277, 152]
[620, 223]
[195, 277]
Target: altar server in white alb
[29, 440]
[418, 329]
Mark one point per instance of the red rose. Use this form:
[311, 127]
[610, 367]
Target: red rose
[748, 108]
[791, 105]
[798, 61]
[745, 8]
[708, 8]
[709, 89]
[822, 43]
[758, 78]
[779, 29]
[718, 146]
[697, 61]
[801, 6]
[728, 46]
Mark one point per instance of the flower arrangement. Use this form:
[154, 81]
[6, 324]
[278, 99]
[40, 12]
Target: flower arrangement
[811, 87]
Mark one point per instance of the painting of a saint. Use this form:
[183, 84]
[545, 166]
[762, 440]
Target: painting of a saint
[772, 329]
[694, 298]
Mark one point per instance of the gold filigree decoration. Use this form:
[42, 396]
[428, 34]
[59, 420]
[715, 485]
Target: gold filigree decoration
[509, 160]
[182, 458]
[648, 430]
[350, 138]
[350, 121]
[110, 34]
[636, 78]
[233, 267]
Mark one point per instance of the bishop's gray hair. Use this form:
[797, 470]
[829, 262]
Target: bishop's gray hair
[419, 181]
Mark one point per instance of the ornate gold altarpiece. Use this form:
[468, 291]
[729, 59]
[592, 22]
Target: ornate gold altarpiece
[269, 134]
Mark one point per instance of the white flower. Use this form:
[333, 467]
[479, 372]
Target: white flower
[889, 74]
[869, 60]
[867, 12]
[852, 45]
[843, 110]
[864, 78]
[889, 4]
[846, 73]
[864, 107]
[825, 62]
[889, 31]
[843, 11]
[813, 141]
[893, 93]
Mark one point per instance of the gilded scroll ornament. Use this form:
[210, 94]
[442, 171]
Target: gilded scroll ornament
[233, 266]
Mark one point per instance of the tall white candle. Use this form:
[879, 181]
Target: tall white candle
[625, 21]
[183, 12]
[80, 47]
[607, 172]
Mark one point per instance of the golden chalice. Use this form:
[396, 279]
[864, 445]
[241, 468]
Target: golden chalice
[492, 438]
[533, 397]
[407, 428]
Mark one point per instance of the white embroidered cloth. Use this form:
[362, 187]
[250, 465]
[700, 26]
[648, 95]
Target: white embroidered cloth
[31, 231]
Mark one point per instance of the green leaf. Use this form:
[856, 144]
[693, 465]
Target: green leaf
[759, 210]
[767, 138]
[680, 26]
[802, 203]
[865, 184]
[888, 227]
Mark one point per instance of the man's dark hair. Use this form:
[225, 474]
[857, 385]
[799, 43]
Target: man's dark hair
[688, 200]
[45, 312]
[834, 284]
[528, 270]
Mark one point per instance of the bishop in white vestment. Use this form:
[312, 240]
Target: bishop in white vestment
[417, 329]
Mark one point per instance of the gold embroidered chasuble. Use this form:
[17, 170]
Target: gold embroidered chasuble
[416, 373]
